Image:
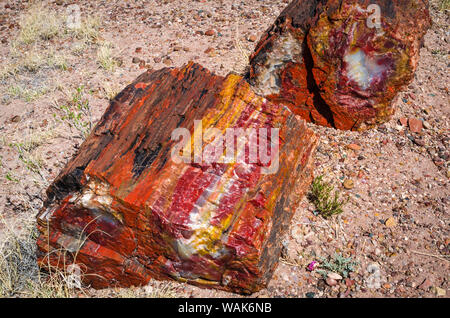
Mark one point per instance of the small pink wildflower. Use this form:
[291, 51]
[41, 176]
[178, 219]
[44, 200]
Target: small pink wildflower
[312, 266]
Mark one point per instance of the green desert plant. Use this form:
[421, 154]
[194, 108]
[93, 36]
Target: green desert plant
[10, 177]
[326, 202]
[39, 23]
[32, 162]
[337, 264]
[27, 94]
[77, 112]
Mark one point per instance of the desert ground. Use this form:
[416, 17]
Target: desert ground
[392, 239]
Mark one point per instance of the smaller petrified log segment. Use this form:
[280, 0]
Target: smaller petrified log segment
[344, 61]
[125, 211]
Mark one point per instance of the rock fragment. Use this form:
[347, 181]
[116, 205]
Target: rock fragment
[340, 63]
[129, 211]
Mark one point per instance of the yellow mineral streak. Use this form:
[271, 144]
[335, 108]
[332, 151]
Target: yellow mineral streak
[206, 237]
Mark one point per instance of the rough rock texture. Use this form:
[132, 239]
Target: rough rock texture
[279, 65]
[335, 63]
[125, 211]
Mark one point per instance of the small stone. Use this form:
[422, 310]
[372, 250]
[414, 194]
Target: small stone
[334, 276]
[135, 60]
[321, 285]
[415, 125]
[297, 234]
[331, 282]
[44, 123]
[354, 147]
[349, 282]
[403, 121]
[425, 285]
[138, 50]
[391, 222]
[427, 125]
[15, 119]
[419, 141]
[310, 295]
[167, 61]
[440, 291]
[252, 38]
[157, 59]
[210, 32]
[349, 184]
[400, 290]
[118, 60]
[210, 51]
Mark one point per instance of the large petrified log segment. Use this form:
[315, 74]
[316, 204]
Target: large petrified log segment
[125, 211]
[356, 58]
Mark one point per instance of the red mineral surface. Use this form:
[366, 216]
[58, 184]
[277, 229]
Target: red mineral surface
[340, 63]
[124, 210]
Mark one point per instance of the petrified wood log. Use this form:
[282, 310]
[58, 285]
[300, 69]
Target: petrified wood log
[279, 65]
[125, 211]
[340, 63]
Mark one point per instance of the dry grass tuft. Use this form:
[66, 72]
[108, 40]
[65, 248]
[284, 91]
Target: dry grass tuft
[21, 92]
[35, 51]
[444, 5]
[162, 290]
[31, 61]
[241, 65]
[39, 23]
[105, 58]
[110, 90]
[19, 273]
[88, 31]
[27, 146]
[18, 267]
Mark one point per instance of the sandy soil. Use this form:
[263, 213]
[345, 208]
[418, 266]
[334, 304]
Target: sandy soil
[397, 175]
